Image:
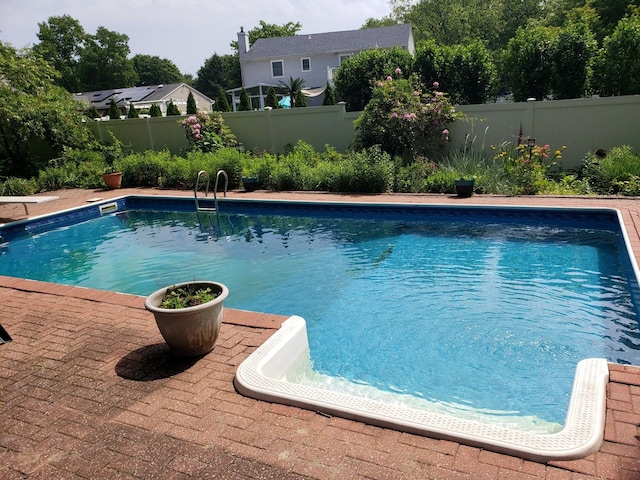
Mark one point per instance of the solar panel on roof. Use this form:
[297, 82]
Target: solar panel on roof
[101, 96]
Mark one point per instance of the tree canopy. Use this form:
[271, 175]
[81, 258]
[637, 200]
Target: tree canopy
[269, 30]
[153, 70]
[218, 72]
[38, 118]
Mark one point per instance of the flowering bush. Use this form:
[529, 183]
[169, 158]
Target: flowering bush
[405, 118]
[528, 168]
[207, 132]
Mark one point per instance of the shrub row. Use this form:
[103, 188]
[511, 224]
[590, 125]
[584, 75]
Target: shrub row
[508, 170]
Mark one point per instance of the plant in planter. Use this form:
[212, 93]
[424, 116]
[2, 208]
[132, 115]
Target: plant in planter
[112, 177]
[189, 315]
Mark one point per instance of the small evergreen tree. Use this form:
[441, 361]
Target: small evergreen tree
[329, 96]
[301, 100]
[114, 111]
[155, 111]
[93, 112]
[272, 98]
[172, 109]
[245, 101]
[222, 103]
[133, 113]
[192, 108]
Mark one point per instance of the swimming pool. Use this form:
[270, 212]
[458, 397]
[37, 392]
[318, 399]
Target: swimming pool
[369, 257]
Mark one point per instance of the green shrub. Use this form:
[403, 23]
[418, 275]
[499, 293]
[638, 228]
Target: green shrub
[412, 178]
[608, 172]
[155, 111]
[18, 186]
[442, 181]
[75, 169]
[191, 104]
[172, 109]
[405, 119]
[365, 171]
[207, 132]
[133, 113]
[144, 169]
[114, 111]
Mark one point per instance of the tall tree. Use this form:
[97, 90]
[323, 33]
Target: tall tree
[451, 22]
[33, 109]
[61, 42]
[528, 62]
[104, 63]
[269, 30]
[618, 69]
[218, 72]
[574, 51]
[153, 70]
[355, 79]
[466, 72]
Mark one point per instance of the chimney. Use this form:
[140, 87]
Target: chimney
[243, 42]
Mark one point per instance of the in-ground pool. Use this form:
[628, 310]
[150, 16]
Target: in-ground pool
[478, 314]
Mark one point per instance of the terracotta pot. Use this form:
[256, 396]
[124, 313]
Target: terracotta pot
[112, 180]
[189, 331]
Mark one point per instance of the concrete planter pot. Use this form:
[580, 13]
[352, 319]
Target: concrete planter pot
[189, 331]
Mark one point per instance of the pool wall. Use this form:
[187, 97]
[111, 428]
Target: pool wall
[261, 376]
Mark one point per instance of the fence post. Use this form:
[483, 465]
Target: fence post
[531, 117]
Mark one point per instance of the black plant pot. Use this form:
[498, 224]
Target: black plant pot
[464, 188]
[250, 183]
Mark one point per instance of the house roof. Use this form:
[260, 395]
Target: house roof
[332, 42]
[122, 96]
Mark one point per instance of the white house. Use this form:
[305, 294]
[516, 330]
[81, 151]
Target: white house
[143, 97]
[311, 57]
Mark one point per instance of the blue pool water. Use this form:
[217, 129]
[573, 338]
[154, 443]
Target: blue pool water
[489, 313]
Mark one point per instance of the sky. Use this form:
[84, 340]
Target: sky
[187, 32]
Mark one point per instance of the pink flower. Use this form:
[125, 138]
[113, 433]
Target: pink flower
[445, 132]
[379, 84]
[398, 71]
[389, 78]
[394, 115]
[416, 93]
[436, 84]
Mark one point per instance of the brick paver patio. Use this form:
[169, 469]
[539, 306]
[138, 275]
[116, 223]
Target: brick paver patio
[87, 391]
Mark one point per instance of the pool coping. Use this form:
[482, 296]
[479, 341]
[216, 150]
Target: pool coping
[260, 376]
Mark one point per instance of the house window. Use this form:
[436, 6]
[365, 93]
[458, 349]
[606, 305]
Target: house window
[277, 68]
[306, 64]
[344, 58]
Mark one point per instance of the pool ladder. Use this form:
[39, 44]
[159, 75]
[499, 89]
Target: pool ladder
[201, 175]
